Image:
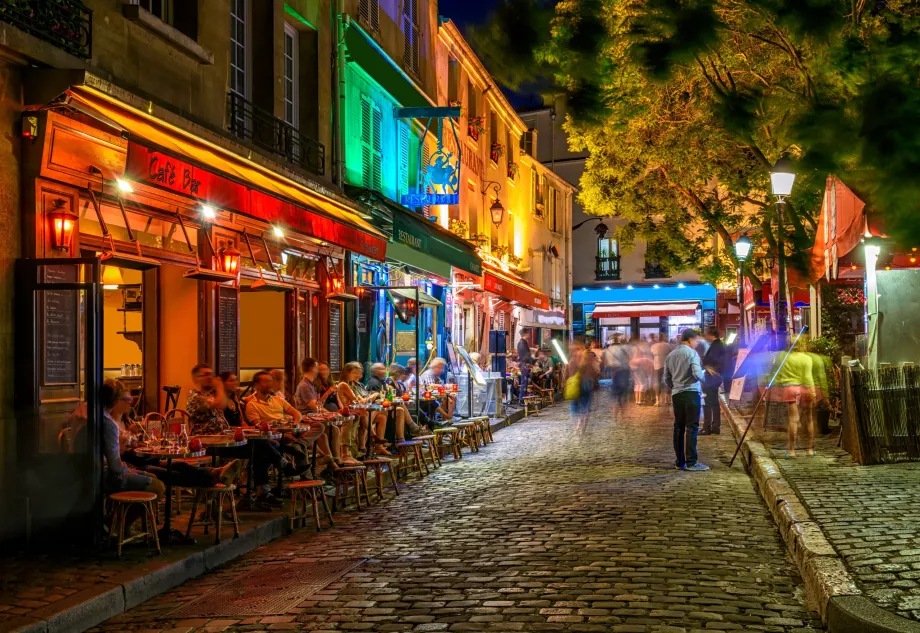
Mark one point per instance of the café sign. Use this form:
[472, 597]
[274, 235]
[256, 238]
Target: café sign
[439, 177]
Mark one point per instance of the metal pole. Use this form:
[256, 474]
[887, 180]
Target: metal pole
[781, 327]
[741, 339]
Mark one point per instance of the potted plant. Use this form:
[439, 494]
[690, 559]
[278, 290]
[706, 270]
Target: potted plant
[496, 152]
[513, 169]
[476, 126]
[514, 261]
[499, 251]
[457, 104]
[458, 227]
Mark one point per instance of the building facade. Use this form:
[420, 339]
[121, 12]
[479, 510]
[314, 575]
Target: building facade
[614, 291]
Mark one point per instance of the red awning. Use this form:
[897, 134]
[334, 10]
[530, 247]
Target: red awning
[512, 288]
[681, 308]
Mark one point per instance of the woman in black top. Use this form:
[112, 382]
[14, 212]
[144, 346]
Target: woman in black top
[325, 388]
[233, 412]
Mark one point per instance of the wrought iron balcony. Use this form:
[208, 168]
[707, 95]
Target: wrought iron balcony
[270, 133]
[67, 24]
[654, 270]
[607, 268]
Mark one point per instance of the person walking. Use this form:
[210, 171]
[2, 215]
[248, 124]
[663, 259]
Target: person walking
[682, 374]
[714, 365]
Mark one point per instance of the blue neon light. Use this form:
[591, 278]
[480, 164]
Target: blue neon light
[422, 199]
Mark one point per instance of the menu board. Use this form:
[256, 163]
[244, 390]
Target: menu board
[227, 329]
[60, 346]
[709, 318]
[335, 336]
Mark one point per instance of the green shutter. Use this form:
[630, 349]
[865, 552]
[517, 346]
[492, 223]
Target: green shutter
[403, 158]
[367, 152]
[377, 150]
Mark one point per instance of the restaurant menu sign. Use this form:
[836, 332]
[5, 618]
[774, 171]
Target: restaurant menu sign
[335, 336]
[227, 330]
[61, 343]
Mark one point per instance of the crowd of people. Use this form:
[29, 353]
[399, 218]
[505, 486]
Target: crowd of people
[217, 404]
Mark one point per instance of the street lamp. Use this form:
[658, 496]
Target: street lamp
[742, 250]
[601, 229]
[782, 177]
[497, 209]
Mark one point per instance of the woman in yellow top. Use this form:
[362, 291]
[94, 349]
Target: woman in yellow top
[800, 387]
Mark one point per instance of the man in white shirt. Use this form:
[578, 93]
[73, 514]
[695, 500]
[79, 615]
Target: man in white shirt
[660, 350]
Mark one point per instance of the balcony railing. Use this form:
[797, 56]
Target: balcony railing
[67, 24]
[655, 271]
[607, 268]
[270, 133]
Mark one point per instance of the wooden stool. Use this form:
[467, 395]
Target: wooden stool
[213, 498]
[121, 502]
[451, 434]
[346, 477]
[531, 405]
[484, 428]
[300, 490]
[432, 453]
[467, 436]
[546, 395]
[377, 464]
[415, 446]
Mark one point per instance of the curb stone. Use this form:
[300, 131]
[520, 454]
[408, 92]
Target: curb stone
[828, 584]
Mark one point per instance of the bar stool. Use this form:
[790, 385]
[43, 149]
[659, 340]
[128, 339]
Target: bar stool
[121, 502]
[213, 498]
[484, 427]
[404, 448]
[450, 435]
[432, 453]
[531, 405]
[378, 464]
[467, 436]
[346, 477]
[300, 490]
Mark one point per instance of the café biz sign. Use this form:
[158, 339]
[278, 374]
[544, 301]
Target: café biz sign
[439, 177]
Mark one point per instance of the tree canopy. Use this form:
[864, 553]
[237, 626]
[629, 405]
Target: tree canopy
[686, 104]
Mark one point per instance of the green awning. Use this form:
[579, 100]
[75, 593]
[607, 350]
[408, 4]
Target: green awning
[364, 51]
[417, 259]
[412, 232]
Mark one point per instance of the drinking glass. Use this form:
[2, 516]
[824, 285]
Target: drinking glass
[171, 441]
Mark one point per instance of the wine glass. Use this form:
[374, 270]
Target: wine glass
[171, 441]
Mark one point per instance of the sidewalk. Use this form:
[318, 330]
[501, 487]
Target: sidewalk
[74, 591]
[869, 516]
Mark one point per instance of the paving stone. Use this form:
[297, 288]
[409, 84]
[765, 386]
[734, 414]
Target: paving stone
[545, 530]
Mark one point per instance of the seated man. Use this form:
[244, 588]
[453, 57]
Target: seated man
[543, 370]
[205, 407]
[433, 376]
[267, 405]
[307, 401]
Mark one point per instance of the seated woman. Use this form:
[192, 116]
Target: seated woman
[326, 391]
[149, 474]
[350, 392]
[403, 417]
[306, 400]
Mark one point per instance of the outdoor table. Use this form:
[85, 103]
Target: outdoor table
[167, 534]
[213, 442]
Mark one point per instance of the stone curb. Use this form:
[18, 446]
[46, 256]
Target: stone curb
[828, 584]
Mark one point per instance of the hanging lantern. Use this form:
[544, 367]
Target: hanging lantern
[229, 259]
[63, 222]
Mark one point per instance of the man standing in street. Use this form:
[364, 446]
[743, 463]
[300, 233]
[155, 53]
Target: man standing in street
[714, 365]
[682, 373]
[525, 364]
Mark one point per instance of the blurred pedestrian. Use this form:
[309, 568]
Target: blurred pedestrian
[682, 373]
[660, 350]
[714, 366]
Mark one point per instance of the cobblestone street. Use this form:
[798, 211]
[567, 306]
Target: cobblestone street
[541, 531]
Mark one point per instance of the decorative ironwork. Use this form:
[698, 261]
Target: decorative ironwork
[270, 133]
[654, 270]
[67, 24]
[607, 268]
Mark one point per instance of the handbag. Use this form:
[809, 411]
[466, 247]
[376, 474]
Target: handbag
[572, 387]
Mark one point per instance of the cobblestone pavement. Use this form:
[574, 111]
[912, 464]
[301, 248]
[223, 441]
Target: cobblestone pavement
[870, 514]
[541, 531]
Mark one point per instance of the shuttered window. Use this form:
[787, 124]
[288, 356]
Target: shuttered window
[403, 158]
[371, 145]
[369, 14]
[426, 156]
[411, 29]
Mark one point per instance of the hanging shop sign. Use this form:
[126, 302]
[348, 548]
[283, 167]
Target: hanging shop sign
[438, 177]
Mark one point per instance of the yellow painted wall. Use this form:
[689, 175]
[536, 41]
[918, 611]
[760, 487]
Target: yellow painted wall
[178, 330]
[261, 331]
[116, 349]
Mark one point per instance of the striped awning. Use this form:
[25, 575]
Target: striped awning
[681, 308]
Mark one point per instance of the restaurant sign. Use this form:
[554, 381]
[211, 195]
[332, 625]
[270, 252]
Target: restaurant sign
[438, 177]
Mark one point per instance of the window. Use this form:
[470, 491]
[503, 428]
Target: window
[472, 210]
[472, 98]
[369, 14]
[411, 30]
[537, 193]
[238, 49]
[510, 148]
[607, 247]
[552, 212]
[158, 8]
[453, 80]
[403, 130]
[493, 128]
[371, 153]
[291, 92]
[608, 259]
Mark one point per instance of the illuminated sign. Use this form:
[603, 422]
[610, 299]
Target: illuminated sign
[424, 199]
[439, 177]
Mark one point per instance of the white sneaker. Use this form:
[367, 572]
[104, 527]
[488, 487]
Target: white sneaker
[698, 466]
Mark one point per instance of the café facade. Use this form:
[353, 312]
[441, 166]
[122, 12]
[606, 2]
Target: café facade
[150, 246]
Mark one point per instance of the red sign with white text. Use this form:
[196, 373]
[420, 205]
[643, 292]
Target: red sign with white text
[517, 292]
[161, 170]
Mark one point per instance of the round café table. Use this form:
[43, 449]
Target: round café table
[167, 534]
[212, 444]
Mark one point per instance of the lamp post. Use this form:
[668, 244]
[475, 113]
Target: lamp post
[742, 250]
[601, 229]
[497, 210]
[782, 177]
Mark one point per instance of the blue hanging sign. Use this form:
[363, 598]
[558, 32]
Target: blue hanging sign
[439, 177]
[424, 199]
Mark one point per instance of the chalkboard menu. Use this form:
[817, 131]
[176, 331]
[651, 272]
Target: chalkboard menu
[709, 318]
[61, 346]
[227, 329]
[335, 336]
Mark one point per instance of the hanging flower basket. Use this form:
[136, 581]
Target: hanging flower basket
[513, 169]
[477, 125]
[496, 152]
[479, 239]
[514, 261]
[458, 227]
[499, 251]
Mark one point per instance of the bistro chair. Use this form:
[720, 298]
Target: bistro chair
[531, 405]
[153, 424]
[407, 450]
[172, 396]
[175, 418]
[213, 499]
[480, 424]
[378, 464]
[121, 503]
[300, 490]
[447, 437]
[347, 477]
[467, 436]
[433, 454]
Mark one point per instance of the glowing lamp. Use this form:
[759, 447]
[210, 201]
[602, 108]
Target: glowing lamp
[497, 211]
[742, 248]
[782, 177]
[63, 222]
[229, 260]
[124, 186]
